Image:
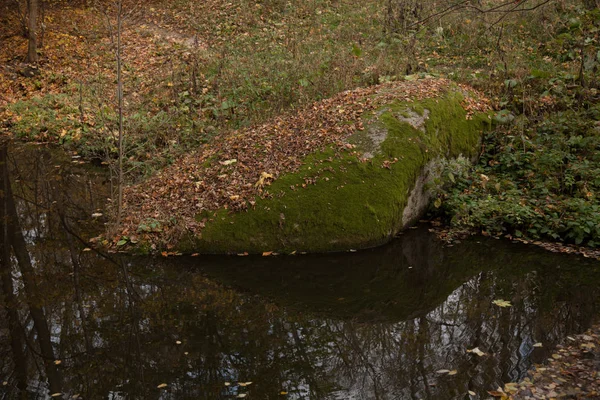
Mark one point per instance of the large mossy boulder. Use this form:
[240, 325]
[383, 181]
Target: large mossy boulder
[356, 188]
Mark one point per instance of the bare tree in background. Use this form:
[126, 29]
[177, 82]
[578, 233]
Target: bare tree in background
[32, 9]
[115, 32]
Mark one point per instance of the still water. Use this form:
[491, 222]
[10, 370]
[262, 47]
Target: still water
[376, 324]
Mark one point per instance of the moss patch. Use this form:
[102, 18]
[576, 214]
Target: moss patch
[337, 201]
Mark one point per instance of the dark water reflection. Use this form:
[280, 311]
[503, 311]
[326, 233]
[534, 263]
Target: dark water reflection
[376, 324]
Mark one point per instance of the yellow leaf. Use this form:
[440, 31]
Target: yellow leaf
[57, 362]
[267, 253]
[283, 392]
[262, 180]
[162, 385]
[476, 351]
[56, 395]
[453, 372]
[537, 345]
[502, 303]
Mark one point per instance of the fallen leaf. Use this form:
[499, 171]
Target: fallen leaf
[267, 253]
[502, 303]
[162, 385]
[57, 362]
[442, 371]
[453, 372]
[537, 345]
[476, 351]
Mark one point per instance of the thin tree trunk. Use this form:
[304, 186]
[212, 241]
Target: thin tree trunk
[120, 99]
[32, 7]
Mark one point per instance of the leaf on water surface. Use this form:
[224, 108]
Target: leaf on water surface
[502, 303]
[498, 393]
[57, 362]
[56, 395]
[267, 253]
[178, 342]
[227, 383]
[242, 395]
[96, 215]
[537, 345]
[162, 385]
[476, 351]
[442, 371]
[472, 393]
[453, 372]
[283, 393]
[87, 249]
[248, 383]
[195, 254]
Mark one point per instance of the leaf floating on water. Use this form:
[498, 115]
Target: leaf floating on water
[502, 303]
[453, 372]
[178, 342]
[442, 371]
[227, 383]
[57, 362]
[248, 383]
[283, 393]
[267, 253]
[476, 351]
[241, 395]
[56, 395]
[472, 393]
[162, 385]
[4, 383]
[242, 384]
[537, 345]
[87, 249]
[498, 393]
[96, 215]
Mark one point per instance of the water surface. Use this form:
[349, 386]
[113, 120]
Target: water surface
[375, 324]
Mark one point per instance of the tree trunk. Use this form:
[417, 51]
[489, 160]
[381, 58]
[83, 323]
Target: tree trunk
[32, 7]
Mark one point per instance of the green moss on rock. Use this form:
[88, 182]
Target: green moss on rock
[337, 201]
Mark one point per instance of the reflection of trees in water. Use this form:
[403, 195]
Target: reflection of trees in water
[114, 324]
